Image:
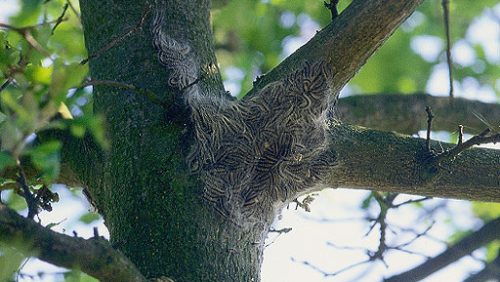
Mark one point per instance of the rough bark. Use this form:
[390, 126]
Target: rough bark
[347, 42]
[95, 256]
[406, 113]
[397, 163]
[150, 200]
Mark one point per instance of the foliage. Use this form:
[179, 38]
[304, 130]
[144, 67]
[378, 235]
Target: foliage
[257, 32]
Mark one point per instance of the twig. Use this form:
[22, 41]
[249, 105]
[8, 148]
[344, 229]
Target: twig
[490, 272]
[327, 274]
[60, 19]
[411, 202]
[467, 245]
[446, 18]
[145, 92]
[281, 231]
[96, 233]
[482, 138]
[430, 116]
[305, 203]
[418, 235]
[28, 196]
[5, 84]
[25, 32]
[345, 247]
[460, 134]
[117, 40]
[73, 9]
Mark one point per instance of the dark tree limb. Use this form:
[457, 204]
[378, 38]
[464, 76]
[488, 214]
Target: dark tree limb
[390, 162]
[489, 272]
[347, 42]
[94, 256]
[467, 245]
[405, 113]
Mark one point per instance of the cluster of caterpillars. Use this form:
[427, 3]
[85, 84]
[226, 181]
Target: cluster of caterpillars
[264, 149]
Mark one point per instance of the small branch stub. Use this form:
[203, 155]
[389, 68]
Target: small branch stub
[332, 6]
[482, 138]
[430, 117]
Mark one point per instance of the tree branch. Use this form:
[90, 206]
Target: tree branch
[370, 159]
[405, 113]
[467, 245]
[348, 41]
[489, 272]
[94, 256]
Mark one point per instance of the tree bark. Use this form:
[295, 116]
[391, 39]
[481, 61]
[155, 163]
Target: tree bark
[150, 200]
[393, 162]
[94, 256]
[405, 113]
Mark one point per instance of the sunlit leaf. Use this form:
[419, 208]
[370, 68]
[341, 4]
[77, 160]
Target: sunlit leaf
[486, 211]
[89, 217]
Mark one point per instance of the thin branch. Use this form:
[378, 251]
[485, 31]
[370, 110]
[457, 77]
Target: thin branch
[467, 245]
[483, 138]
[411, 202]
[25, 32]
[142, 91]
[95, 257]
[60, 19]
[330, 274]
[281, 231]
[460, 134]
[430, 117]
[332, 6]
[490, 272]
[5, 84]
[28, 196]
[117, 40]
[73, 9]
[418, 235]
[446, 18]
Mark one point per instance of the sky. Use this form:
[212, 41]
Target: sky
[317, 240]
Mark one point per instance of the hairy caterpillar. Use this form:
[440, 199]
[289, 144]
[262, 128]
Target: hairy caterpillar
[258, 151]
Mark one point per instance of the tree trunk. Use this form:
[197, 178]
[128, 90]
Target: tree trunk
[150, 202]
[150, 199]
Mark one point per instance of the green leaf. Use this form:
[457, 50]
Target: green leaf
[89, 217]
[10, 135]
[65, 77]
[46, 158]
[94, 124]
[367, 201]
[3, 117]
[6, 160]
[486, 211]
[10, 261]
[29, 13]
[76, 275]
[492, 250]
[14, 201]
